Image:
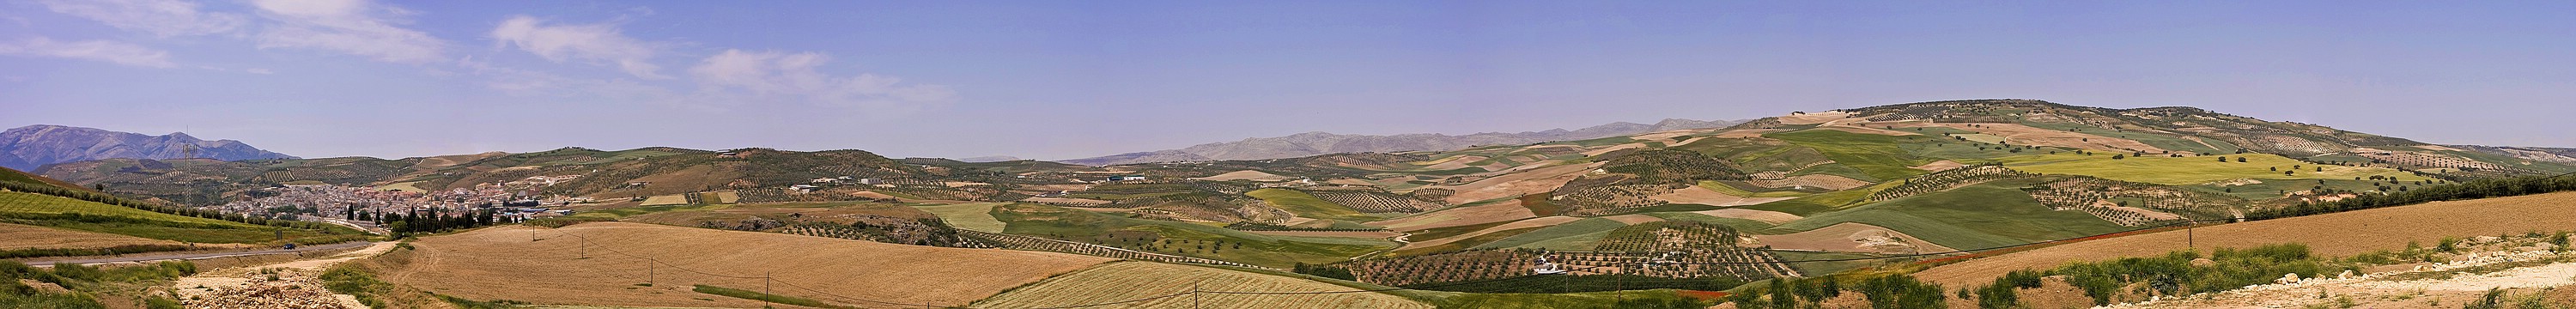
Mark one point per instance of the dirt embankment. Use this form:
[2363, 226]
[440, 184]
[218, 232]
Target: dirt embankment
[293, 284]
[2336, 234]
[609, 263]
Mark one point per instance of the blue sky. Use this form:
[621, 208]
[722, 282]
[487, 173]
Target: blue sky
[1068, 79]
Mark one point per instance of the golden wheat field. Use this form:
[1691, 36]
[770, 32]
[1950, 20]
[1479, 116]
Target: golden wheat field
[14, 236]
[1123, 281]
[558, 267]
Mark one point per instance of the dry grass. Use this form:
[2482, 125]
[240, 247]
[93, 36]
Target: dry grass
[1520, 183]
[1766, 216]
[1246, 175]
[2336, 234]
[1135, 280]
[1936, 166]
[504, 263]
[13, 236]
[1813, 180]
[1868, 130]
[2026, 135]
[1813, 118]
[659, 200]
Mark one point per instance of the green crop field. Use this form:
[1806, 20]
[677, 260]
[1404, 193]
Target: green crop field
[1877, 155]
[1729, 188]
[1984, 215]
[1824, 202]
[31, 203]
[2191, 170]
[1463, 244]
[2270, 189]
[54, 211]
[1575, 235]
[1738, 224]
[972, 216]
[1267, 250]
[1306, 205]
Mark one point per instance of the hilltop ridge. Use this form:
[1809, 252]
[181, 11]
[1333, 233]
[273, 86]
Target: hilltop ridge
[30, 147]
[1319, 142]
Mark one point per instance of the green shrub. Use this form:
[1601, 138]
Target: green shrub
[1902, 291]
[2173, 273]
[1998, 296]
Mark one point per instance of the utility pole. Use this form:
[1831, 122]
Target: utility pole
[1194, 294]
[1618, 289]
[764, 286]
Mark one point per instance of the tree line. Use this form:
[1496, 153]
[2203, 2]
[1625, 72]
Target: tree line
[2473, 189]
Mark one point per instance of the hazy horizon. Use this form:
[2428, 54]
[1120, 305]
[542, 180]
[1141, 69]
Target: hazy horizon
[1071, 80]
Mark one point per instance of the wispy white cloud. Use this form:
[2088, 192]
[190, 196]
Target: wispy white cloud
[776, 75]
[591, 42]
[261, 71]
[356, 27]
[166, 18]
[97, 50]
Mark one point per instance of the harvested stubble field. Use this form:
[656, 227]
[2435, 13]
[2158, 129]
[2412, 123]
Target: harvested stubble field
[1518, 184]
[1134, 280]
[1507, 210]
[502, 263]
[658, 200]
[2336, 234]
[13, 236]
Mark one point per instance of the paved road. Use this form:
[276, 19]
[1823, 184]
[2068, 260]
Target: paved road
[200, 256]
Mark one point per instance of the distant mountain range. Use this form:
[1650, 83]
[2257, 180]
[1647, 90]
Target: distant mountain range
[1316, 143]
[29, 147]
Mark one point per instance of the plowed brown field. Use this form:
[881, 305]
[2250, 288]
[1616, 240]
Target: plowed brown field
[2336, 234]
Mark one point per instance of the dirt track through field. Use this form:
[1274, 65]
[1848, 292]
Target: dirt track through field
[606, 264]
[2336, 234]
